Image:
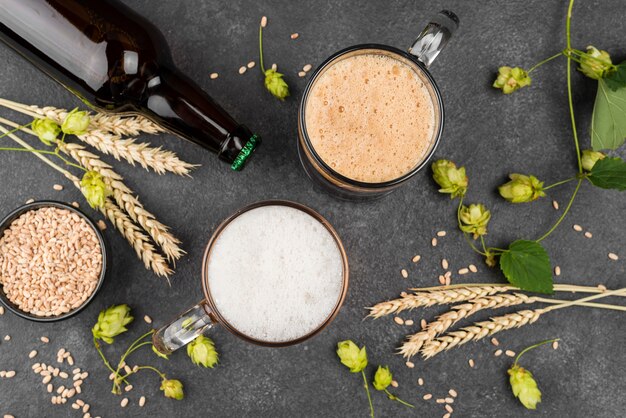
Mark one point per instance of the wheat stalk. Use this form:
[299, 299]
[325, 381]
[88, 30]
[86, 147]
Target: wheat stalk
[144, 249]
[441, 296]
[496, 324]
[105, 134]
[126, 199]
[414, 342]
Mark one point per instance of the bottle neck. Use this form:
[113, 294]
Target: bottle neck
[181, 106]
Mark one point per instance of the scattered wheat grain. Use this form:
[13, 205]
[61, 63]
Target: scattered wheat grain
[555, 345]
[251, 64]
[410, 365]
[577, 228]
[404, 273]
[398, 320]
[294, 36]
[510, 353]
[464, 270]
[57, 187]
[264, 21]
[557, 271]
[427, 396]
[444, 264]
[433, 242]
[416, 258]
[213, 76]
[588, 234]
[613, 256]
[471, 362]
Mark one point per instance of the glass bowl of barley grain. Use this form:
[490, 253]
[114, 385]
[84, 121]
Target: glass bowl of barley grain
[53, 261]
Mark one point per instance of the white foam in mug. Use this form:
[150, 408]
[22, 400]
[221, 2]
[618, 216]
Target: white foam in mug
[275, 273]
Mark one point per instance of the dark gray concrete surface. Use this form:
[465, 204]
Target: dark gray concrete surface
[489, 133]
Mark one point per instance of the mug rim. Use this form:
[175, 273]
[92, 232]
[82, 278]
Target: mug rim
[209, 303]
[307, 142]
[39, 204]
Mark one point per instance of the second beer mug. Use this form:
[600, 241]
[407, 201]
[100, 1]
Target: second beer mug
[371, 115]
[275, 273]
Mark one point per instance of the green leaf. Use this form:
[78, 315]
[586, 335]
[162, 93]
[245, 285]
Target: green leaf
[608, 123]
[609, 173]
[617, 79]
[526, 265]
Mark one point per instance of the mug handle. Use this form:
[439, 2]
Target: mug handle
[434, 37]
[184, 329]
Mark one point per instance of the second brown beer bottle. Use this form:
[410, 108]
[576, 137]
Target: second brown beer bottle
[117, 61]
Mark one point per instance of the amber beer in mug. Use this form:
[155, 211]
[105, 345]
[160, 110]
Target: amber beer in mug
[371, 115]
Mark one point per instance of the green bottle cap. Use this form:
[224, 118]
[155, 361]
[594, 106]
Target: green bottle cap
[245, 153]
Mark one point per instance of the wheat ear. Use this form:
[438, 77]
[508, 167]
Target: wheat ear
[157, 159]
[105, 132]
[144, 249]
[480, 330]
[125, 198]
[500, 323]
[443, 322]
[433, 297]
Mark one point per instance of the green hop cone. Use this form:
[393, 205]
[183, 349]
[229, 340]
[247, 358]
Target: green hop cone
[111, 323]
[511, 79]
[490, 259]
[522, 189]
[382, 378]
[595, 63]
[94, 189]
[76, 122]
[202, 352]
[172, 388]
[589, 158]
[474, 219]
[158, 353]
[452, 180]
[351, 356]
[275, 84]
[47, 130]
[524, 387]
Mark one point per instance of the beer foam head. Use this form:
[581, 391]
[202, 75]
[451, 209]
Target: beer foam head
[275, 273]
[370, 117]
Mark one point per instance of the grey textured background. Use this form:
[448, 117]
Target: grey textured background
[487, 132]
